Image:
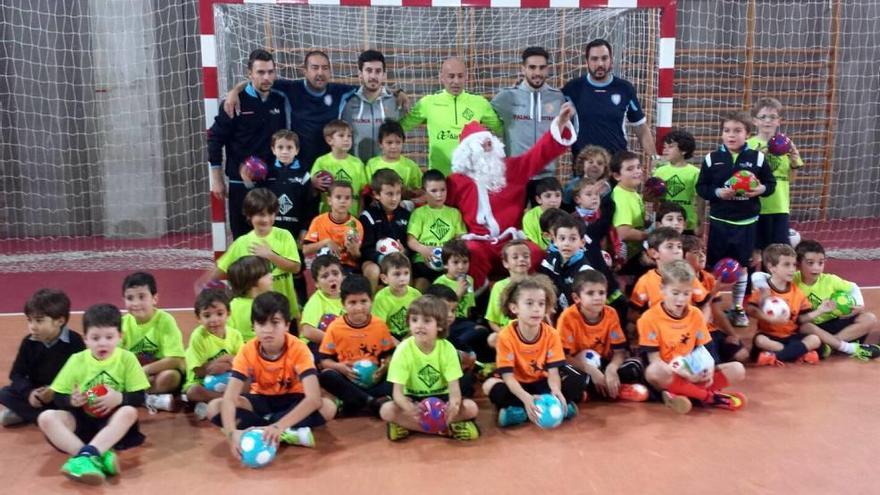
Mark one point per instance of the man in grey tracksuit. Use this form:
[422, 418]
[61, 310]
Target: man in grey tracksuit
[367, 107]
[528, 108]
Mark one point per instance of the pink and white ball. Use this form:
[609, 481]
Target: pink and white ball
[776, 309]
[388, 245]
[255, 168]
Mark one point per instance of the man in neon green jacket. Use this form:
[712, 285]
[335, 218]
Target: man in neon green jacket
[445, 113]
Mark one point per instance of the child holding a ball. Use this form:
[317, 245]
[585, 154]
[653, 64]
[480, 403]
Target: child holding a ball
[96, 396]
[392, 302]
[425, 365]
[733, 218]
[531, 359]
[780, 336]
[674, 330]
[384, 218]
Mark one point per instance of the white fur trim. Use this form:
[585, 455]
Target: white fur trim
[554, 131]
[511, 233]
[477, 136]
[484, 211]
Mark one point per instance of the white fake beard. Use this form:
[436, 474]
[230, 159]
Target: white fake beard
[485, 168]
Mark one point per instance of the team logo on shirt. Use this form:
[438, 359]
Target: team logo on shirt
[429, 375]
[815, 301]
[145, 350]
[615, 98]
[274, 111]
[328, 100]
[284, 204]
[439, 228]
[468, 114]
[397, 322]
[105, 379]
[674, 185]
[342, 175]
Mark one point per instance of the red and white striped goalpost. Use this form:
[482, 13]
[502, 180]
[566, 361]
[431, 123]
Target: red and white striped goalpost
[665, 58]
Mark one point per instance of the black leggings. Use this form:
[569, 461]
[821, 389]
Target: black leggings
[354, 398]
[573, 383]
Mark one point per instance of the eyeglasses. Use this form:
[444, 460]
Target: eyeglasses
[767, 117]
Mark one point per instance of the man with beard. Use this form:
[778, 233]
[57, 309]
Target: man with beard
[369, 106]
[489, 189]
[446, 113]
[246, 133]
[605, 104]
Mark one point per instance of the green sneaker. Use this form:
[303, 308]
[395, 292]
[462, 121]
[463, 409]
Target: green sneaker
[512, 415]
[110, 463]
[872, 349]
[464, 430]
[299, 436]
[863, 353]
[85, 469]
[485, 372]
[396, 432]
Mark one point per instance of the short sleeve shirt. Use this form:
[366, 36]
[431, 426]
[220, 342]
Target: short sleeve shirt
[434, 226]
[466, 302]
[408, 170]
[629, 209]
[320, 310]
[602, 336]
[670, 336]
[204, 346]
[797, 303]
[155, 339]
[681, 188]
[324, 227]
[494, 311]
[647, 291]
[424, 375]
[280, 376]
[393, 309]
[240, 317]
[528, 361]
[780, 200]
[348, 344]
[120, 372]
[824, 287]
[603, 110]
[531, 224]
[350, 170]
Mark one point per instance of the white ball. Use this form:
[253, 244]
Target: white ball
[776, 309]
[794, 237]
[387, 245]
[436, 261]
[592, 357]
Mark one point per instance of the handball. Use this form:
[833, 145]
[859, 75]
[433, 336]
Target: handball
[551, 411]
[654, 189]
[436, 262]
[794, 237]
[365, 370]
[776, 309]
[726, 270]
[696, 367]
[255, 168]
[388, 245]
[742, 182]
[256, 453]
[779, 145]
[321, 180]
[217, 383]
[844, 302]
[433, 415]
[93, 393]
[593, 358]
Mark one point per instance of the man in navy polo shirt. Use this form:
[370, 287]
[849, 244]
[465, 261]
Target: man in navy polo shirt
[606, 104]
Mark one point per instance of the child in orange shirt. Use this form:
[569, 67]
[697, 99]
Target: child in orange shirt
[337, 231]
[595, 344]
[530, 359]
[781, 341]
[355, 337]
[675, 329]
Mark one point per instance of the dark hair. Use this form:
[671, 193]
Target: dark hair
[568, 221]
[269, 304]
[337, 184]
[808, 246]
[685, 141]
[385, 177]
[261, 55]
[259, 200]
[739, 116]
[661, 235]
[102, 315]
[313, 53]
[691, 243]
[245, 272]
[140, 279]
[324, 261]
[547, 184]
[394, 260]
[668, 207]
[370, 56]
[52, 303]
[455, 247]
[442, 292]
[549, 218]
[588, 277]
[286, 134]
[391, 128]
[535, 51]
[431, 307]
[355, 284]
[596, 43]
[618, 158]
[208, 297]
[532, 282]
[432, 176]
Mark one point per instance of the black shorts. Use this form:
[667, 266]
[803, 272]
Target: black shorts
[783, 340]
[836, 325]
[89, 426]
[271, 408]
[422, 270]
[721, 350]
[417, 398]
[730, 241]
[772, 229]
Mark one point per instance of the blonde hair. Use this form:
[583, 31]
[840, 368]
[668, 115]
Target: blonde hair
[678, 271]
[774, 252]
[532, 282]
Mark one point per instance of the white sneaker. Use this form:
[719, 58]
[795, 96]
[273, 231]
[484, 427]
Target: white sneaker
[9, 418]
[202, 411]
[159, 402]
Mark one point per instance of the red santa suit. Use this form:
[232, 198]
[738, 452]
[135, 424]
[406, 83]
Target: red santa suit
[495, 217]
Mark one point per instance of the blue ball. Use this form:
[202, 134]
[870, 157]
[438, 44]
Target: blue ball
[255, 453]
[365, 369]
[217, 383]
[552, 412]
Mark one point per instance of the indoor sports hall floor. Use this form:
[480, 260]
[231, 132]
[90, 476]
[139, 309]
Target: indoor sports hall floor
[806, 429]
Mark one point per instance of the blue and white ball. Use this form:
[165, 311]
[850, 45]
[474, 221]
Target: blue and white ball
[256, 453]
[217, 383]
[365, 370]
[552, 412]
[436, 261]
[593, 358]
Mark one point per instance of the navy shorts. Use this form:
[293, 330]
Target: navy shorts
[268, 409]
[730, 241]
[772, 229]
[836, 325]
[721, 350]
[89, 426]
[422, 270]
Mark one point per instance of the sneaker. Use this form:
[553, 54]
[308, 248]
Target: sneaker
[571, 410]
[201, 411]
[738, 317]
[110, 463]
[825, 351]
[464, 430]
[635, 392]
[768, 358]
[85, 469]
[9, 418]
[872, 349]
[811, 357]
[678, 403]
[396, 432]
[159, 402]
[512, 415]
[302, 436]
[485, 371]
[731, 401]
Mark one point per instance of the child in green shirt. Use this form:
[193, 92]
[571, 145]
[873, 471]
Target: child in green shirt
[391, 140]
[548, 194]
[324, 305]
[392, 302]
[341, 165]
[96, 393]
[249, 277]
[516, 258]
[681, 177]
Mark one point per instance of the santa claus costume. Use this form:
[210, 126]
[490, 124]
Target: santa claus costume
[490, 190]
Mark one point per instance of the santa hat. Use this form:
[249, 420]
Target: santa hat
[473, 129]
